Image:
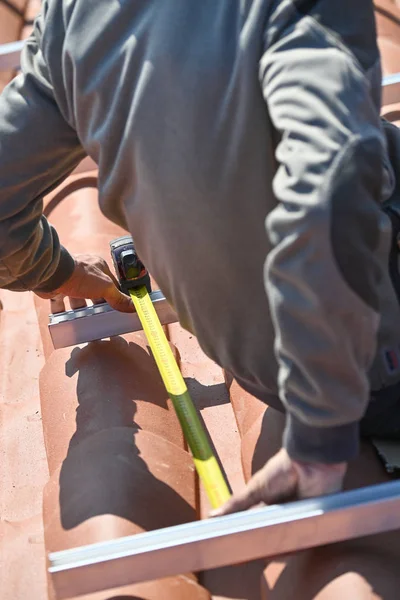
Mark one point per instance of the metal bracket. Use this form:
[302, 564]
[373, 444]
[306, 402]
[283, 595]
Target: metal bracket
[10, 55]
[192, 547]
[100, 321]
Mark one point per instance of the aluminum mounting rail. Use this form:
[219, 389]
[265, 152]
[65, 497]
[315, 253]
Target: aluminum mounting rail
[192, 547]
[10, 55]
[100, 321]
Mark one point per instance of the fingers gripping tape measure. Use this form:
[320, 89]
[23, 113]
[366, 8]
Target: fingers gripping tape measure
[134, 279]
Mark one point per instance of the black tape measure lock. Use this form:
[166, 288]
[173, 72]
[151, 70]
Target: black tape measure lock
[130, 270]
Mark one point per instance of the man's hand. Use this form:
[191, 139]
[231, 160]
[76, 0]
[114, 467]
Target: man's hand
[93, 280]
[281, 479]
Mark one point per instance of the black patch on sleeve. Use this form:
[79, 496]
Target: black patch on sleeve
[392, 205]
[305, 7]
[351, 21]
[355, 230]
[394, 252]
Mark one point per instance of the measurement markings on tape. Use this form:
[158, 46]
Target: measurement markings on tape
[205, 462]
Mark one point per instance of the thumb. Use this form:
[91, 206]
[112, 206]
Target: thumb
[251, 495]
[276, 481]
[118, 301]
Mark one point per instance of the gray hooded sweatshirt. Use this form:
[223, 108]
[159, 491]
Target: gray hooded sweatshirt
[239, 141]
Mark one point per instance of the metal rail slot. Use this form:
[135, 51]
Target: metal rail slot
[92, 323]
[391, 89]
[265, 532]
[10, 55]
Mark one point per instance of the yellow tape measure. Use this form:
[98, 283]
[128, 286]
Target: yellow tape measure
[205, 462]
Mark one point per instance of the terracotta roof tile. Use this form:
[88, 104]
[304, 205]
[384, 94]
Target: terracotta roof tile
[388, 25]
[23, 465]
[114, 445]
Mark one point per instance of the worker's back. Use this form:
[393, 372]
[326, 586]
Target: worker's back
[175, 102]
[166, 97]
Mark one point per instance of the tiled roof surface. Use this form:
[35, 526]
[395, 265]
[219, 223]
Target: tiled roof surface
[90, 448]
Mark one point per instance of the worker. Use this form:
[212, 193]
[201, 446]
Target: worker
[240, 144]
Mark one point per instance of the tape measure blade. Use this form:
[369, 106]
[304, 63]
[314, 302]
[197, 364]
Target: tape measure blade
[159, 344]
[205, 462]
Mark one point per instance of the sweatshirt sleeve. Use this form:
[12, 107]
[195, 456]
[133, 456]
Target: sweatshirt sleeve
[38, 149]
[320, 77]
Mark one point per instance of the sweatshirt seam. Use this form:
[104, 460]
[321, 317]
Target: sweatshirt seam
[353, 141]
[295, 418]
[320, 427]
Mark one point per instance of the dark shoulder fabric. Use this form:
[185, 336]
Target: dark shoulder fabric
[351, 22]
